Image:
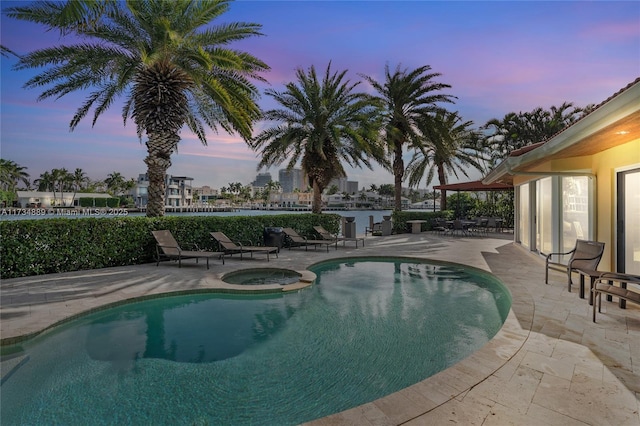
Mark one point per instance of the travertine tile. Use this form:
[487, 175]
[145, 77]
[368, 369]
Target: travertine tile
[549, 365]
[501, 415]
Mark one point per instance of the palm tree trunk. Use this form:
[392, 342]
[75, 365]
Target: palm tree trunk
[159, 148]
[317, 198]
[442, 178]
[398, 174]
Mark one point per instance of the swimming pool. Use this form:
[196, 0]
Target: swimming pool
[369, 327]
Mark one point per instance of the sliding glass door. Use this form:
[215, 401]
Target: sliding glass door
[628, 222]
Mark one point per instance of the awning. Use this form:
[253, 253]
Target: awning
[475, 185]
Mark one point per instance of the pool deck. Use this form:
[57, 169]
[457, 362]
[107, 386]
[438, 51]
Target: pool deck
[548, 365]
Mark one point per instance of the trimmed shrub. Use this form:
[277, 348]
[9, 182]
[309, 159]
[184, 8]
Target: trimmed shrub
[45, 246]
[98, 202]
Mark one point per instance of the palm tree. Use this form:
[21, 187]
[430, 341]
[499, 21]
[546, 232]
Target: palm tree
[11, 174]
[44, 182]
[115, 183]
[78, 179]
[269, 188]
[320, 124]
[450, 145]
[517, 130]
[172, 67]
[60, 180]
[408, 96]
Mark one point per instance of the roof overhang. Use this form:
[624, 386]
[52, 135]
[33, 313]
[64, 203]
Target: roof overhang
[615, 122]
[475, 185]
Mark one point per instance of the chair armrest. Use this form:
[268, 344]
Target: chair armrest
[173, 247]
[559, 254]
[584, 258]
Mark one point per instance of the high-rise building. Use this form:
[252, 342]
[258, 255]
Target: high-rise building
[344, 185]
[262, 179]
[290, 180]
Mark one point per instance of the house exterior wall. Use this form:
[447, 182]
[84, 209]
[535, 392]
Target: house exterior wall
[604, 166]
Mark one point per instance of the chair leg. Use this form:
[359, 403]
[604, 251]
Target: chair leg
[546, 273]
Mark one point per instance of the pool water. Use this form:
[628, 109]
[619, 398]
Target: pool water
[369, 327]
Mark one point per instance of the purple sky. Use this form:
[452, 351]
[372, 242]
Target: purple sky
[498, 57]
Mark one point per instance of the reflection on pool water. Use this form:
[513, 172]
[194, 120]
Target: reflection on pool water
[259, 276]
[369, 327]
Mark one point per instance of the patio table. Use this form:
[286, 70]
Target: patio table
[416, 225]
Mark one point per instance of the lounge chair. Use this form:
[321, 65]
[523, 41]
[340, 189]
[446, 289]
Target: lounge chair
[229, 247]
[585, 255]
[168, 248]
[297, 240]
[326, 235]
[605, 285]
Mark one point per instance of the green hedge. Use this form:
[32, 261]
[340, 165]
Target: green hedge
[98, 202]
[400, 219]
[44, 246]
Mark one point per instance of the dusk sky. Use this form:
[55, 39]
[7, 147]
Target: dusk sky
[499, 57]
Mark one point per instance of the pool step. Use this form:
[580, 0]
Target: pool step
[10, 366]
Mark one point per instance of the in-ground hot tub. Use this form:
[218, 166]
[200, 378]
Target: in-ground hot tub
[287, 278]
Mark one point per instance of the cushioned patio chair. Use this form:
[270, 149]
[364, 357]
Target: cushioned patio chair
[168, 248]
[296, 240]
[326, 235]
[230, 247]
[605, 285]
[585, 255]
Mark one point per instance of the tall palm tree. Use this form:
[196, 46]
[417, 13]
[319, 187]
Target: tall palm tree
[319, 124]
[11, 174]
[450, 146]
[407, 96]
[78, 179]
[61, 179]
[171, 66]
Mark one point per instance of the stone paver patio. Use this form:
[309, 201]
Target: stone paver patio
[548, 365]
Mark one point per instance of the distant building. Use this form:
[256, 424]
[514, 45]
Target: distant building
[262, 179]
[352, 187]
[344, 185]
[178, 192]
[290, 180]
[45, 199]
[205, 195]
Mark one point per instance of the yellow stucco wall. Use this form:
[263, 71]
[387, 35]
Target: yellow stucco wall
[604, 166]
